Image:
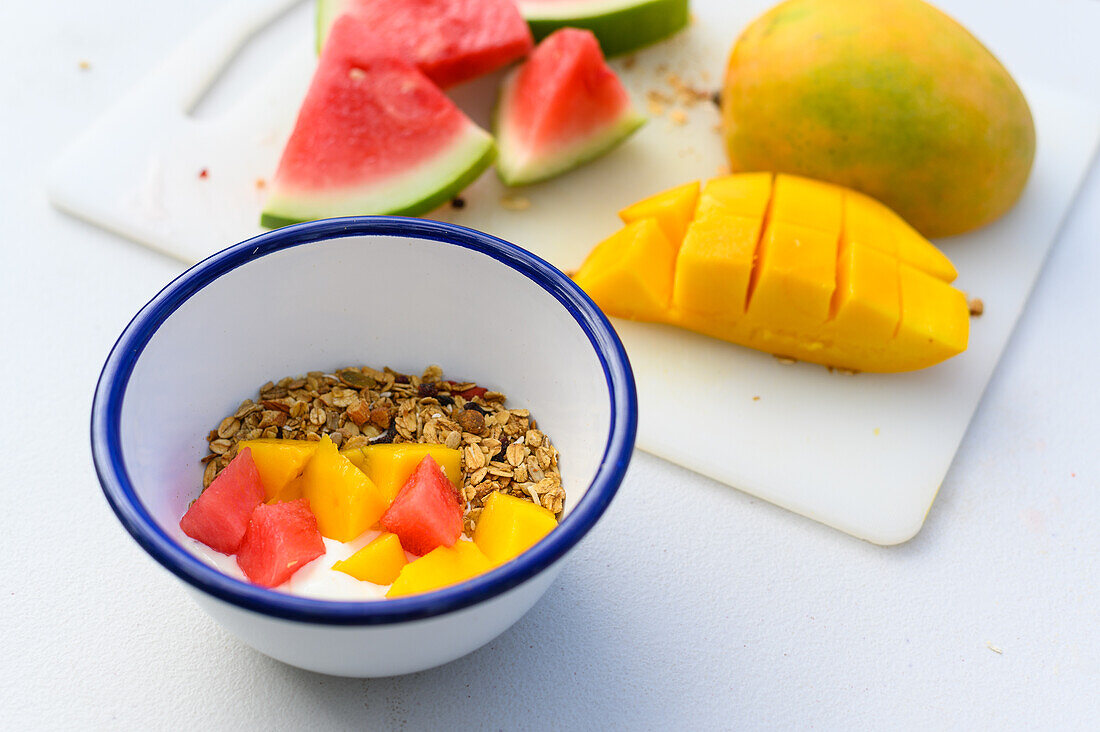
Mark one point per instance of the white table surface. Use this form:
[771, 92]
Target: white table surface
[710, 611]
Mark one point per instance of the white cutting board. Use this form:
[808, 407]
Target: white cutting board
[865, 453]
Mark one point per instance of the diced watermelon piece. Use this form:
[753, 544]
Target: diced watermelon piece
[427, 513]
[563, 107]
[451, 41]
[373, 136]
[281, 539]
[220, 516]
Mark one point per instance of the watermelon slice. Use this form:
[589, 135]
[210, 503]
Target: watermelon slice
[451, 41]
[619, 25]
[427, 512]
[281, 539]
[373, 136]
[561, 108]
[219, 517]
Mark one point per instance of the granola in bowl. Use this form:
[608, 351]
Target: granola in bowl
[496, 459]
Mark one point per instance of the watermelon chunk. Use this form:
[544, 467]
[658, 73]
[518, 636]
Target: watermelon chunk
[561, 108]
[220, 516]
[281, 539]
[451, 41]
[427, 513]
[619, 25]
[373, 136]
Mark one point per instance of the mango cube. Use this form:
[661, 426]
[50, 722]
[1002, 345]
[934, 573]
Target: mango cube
[379, 561]
[629, 274]
[509, 526]
[390, 465]
[715, 263]
[345, 501]
[741, 194]
[807, 203]
[672, 209]
[794, 278]
[279, 463]
[441, 567]
[868, 223]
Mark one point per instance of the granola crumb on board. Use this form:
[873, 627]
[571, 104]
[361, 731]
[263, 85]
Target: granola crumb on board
[502, 449]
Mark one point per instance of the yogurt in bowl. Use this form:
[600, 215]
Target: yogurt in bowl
[406, 292]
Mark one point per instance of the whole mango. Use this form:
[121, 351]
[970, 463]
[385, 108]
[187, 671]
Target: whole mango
[889, 97]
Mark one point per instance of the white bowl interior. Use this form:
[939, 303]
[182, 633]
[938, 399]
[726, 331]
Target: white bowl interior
[377, 300]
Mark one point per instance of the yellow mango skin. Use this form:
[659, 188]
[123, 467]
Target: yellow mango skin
[873, 297]
[630, 273]
[889, 97]
[379, 562]
[345, 501]
[673, 209]
[279, 462]
[389, 466]
[441, 567]
[509, 526]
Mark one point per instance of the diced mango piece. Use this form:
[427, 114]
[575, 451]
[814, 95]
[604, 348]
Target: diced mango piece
[441, 567]
[935, 318]
[866, 305]
[714, 265]
[379, 562]
[345, 501]
[390, 465]
[673, 210]
[794, 278]
[742, 194]
[279, 463]
[630, 274]
[808, 204]
[509, 526]
[872, 224]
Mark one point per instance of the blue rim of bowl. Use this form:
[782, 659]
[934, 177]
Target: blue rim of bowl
[113, 380]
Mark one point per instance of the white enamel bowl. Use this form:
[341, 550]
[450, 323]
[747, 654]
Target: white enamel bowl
[380, 291]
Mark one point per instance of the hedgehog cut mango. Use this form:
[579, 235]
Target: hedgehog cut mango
[786, 265]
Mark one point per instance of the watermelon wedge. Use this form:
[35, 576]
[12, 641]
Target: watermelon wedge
[451, 41]
[620, 25]
[219, 517]
[561, 108]
[373, 136]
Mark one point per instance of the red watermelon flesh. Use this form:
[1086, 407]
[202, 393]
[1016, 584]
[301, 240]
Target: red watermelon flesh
[427, 512]
[373, 136]
[281, 539]
[562, 107]
[220, 516]
[451, 41]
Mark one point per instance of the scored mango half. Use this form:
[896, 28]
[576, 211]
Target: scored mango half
[787, 265]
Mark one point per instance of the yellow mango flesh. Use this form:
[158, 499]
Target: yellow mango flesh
[441, 567]
[379, 561]
[714, 264]
[279, 462]
[803, 269]
[869, 223]
[630, 273]
[389, 466]
[345, 501]
[673, 209]
[509, 526]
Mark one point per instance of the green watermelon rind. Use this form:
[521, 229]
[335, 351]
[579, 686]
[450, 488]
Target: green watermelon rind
[516, 174]
[621, 26]
[324, 16]
[433, 183]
